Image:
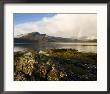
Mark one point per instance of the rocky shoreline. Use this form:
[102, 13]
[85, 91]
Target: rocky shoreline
[55, 65]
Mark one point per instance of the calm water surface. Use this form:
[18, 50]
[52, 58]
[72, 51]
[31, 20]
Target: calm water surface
[82, 47]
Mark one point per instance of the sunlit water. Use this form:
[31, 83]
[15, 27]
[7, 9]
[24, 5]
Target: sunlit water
[82, 47]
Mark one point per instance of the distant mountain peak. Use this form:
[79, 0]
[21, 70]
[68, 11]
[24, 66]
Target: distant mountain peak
[40, 37]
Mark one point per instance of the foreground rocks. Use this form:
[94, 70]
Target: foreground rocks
[55, 65]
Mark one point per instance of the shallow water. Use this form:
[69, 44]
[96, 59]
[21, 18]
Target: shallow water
[82, 47]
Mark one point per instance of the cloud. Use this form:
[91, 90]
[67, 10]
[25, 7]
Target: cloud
[62, 25]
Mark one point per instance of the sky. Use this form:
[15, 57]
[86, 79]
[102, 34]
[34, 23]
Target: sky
[27, 17]
[76, 26]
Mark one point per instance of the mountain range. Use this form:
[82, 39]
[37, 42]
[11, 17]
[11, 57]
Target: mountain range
[36, 36]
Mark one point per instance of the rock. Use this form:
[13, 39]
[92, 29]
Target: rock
[19, 77]
[43, 52]
[43, 70]
[63, 74]
[24, 64]
[53, 74]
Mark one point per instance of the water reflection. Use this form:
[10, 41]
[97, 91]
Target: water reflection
[82, 47]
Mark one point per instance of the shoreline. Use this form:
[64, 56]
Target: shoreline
[55, 65]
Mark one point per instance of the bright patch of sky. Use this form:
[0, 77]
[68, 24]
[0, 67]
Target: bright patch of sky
[29, 17]
[77, 26]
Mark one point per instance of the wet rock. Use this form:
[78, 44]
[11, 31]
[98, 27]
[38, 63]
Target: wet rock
[24, 64]
[53, 74]
[19, 77]
[63, 75]
[43, 70]
[60, 65]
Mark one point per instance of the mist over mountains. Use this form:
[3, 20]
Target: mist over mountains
[76, 26]
[36, 36]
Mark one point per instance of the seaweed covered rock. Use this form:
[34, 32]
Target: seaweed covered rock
[24, 64]
[20, 77]
[53, 75]
[63, 75]
[43, 70]
[49, 64]
[59, 65]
